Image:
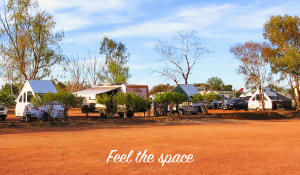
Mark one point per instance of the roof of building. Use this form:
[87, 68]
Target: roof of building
[42, 86]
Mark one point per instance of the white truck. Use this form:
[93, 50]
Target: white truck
[3, 112]
[27, 111]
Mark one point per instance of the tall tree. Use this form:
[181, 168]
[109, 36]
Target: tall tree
[93, 66]
[252, 65]
[161, 88]
[78, 71]
[284, 34]
[181, 56]
[29, 43]
[215, 83]
[116, 58]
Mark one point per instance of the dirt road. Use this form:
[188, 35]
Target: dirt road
[237, 147]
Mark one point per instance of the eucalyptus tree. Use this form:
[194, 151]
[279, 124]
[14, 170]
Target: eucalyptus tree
[29, 44]
[180, 56]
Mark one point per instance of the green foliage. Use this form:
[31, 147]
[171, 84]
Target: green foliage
[43, 99]
[14, 89]
[209, 97]
[30, 44]
[205, 99]
[68, 99]
[283, 32]
[215, 83]
[108, 101]
[65, 98]
[284, 56]
[131, 101]
[116, 58]
[161, 88]
[141, 104]
[6, 98]
[167, 98]
[197, 98]
[227, 87]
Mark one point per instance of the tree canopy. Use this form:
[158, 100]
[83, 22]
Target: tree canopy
[161, 88]
[115, 69]
[180, 56]
[30, 46]
[215, 83]
[284, 55]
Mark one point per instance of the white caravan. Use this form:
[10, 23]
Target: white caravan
[269, 97]
[24, 107]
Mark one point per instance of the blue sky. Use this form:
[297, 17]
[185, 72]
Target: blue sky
[139, 24]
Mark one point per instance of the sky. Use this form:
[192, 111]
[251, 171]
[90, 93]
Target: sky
[140, 23]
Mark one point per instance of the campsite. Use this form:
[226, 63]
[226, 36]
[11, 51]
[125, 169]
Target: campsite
[149, 87]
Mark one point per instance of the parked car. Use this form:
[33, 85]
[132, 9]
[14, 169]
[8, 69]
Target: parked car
[240, 104]
[216, 104]
[55, 110]
[194, 109]
[227, 105]
[236, 104]
[3, 112]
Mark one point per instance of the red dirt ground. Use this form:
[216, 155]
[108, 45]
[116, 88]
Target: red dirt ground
[235, 147]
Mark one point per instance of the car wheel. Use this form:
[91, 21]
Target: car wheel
[180, 112]
[28, 118]
[3, 118]
[45, 117]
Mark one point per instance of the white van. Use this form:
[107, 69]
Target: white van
[26, 110]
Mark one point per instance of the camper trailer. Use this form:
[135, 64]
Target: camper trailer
[26, 110]
[272, 100]
[90, 95]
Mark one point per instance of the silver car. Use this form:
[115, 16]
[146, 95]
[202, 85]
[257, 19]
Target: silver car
[3, 112]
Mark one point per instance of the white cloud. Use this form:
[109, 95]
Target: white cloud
[190, 18]
[77, 14]
[83, 6]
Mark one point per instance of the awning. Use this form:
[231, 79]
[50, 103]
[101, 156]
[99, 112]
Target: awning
[96, 91]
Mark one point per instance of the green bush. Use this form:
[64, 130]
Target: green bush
[169, 99]
[65, 98]
[131, 102]
[6, 98]
[108, 102]
[205, 100]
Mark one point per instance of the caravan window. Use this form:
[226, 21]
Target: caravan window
[24, 96]
[258, 98]
[20, 99]
[29, 96]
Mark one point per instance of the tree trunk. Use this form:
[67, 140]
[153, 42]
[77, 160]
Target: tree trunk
[261, 96]
[295, 96]
[297, 93]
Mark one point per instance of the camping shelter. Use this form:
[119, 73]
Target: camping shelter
[31, 88]
[273, 100]
[188, 89]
